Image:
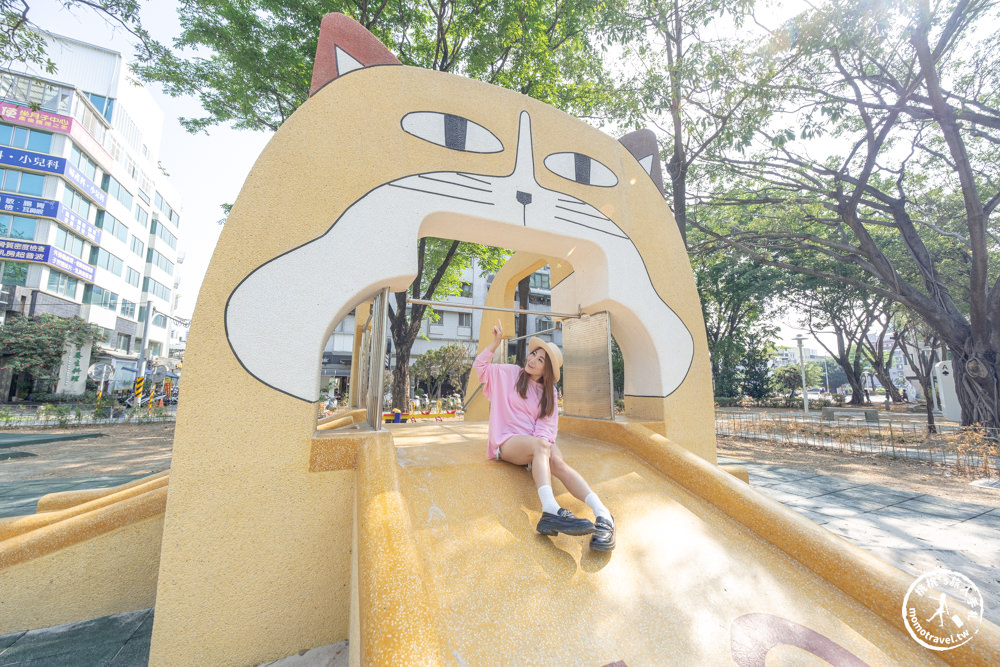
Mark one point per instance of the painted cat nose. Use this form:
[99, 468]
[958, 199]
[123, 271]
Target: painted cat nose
[523, 197]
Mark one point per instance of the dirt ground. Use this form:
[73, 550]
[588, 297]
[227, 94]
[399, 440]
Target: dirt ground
[132, 449]
[919, 476]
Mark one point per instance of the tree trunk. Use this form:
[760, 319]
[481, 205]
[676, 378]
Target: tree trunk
[521, 321]
[977, 383]
[401, 378]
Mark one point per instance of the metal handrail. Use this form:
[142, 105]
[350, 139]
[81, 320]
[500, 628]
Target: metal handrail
[470, 306]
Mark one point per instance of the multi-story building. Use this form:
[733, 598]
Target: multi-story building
[454, 325]
[89, 222]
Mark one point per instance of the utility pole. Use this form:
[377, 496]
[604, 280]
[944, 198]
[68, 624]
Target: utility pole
[802, 367]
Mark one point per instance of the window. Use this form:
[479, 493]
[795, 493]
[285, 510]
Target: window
[27, 91]
[162, 204]
[104, 105]
[99, 296]
[117, 190]
[132, 277]
[83, 163]
[145, 185]
[465, 320]
[62, 284]
[543, 323]
[159, 260]
[539, 281]
[160, 321]
[164, 233]
[112, 225]
[23, 137]
[128, 308]
[16, 227]
[156, 289]
[466, 289]
[14, 273]
[141, 216]
[69, 242]
[23, 182]
[124, 342]
[91, 122]
[105, 260]
[138, 247]
[73, 200]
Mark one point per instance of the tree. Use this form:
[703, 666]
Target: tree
[36, 345]
[907, 97]
[790, 377]
[736, 300]
[698, 89]
[444, 365]
[756, 367]
[250, 63]
[20, 40]
[920, 344]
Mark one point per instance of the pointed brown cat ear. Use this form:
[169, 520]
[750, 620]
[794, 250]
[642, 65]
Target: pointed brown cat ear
[644, 148]
[344, 46]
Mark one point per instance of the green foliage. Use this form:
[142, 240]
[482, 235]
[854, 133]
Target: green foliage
[250, 63]
[617, 369]
[36, 344]
[20, 41]
[448, 364]
[789, 377]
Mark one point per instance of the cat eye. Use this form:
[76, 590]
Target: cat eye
[454, 132]
[581, 169]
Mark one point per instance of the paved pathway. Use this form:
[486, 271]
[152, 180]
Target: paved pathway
[913, 531]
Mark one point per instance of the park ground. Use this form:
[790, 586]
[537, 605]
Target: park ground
[136, 449]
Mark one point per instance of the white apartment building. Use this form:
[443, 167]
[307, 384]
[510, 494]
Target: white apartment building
[89, 223]
[454, 325]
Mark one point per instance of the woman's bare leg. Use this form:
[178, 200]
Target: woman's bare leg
[524, 449]
[571, 479]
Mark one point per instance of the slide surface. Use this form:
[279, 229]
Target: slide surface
[685, 585]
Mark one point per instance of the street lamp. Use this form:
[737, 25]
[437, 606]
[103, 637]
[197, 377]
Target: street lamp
[802, 367]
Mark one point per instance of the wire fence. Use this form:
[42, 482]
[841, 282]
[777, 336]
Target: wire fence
[972, 449]
[61, 416]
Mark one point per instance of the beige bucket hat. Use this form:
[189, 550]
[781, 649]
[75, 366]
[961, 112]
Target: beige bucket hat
[554, 353]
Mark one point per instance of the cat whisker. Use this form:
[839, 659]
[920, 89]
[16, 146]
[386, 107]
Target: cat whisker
[473, 178]
[458, 185]
[435, 193]
[596, 229]
[589, 215]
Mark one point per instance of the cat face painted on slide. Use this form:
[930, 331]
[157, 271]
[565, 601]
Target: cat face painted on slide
[505, 190]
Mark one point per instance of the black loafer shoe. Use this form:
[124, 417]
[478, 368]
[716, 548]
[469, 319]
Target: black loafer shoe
[563, 522]
[603, 538]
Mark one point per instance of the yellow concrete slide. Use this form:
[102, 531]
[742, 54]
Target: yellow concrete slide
[706, 571]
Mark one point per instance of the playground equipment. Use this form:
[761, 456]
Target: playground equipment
[277, 537]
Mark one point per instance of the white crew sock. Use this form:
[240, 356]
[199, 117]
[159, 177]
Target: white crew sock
[548, 498]
[598, 507]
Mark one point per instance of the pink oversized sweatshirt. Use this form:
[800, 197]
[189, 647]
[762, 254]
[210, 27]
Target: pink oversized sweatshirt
[510, 414]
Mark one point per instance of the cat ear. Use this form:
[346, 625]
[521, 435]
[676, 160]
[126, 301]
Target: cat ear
[644, 148]
[344, 46]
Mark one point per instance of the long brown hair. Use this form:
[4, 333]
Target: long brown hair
[547, 404]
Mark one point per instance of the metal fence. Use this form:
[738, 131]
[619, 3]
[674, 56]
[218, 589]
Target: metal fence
[60, 417]
[972, 449]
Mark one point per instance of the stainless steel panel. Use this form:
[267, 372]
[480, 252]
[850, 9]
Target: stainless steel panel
[587, 390]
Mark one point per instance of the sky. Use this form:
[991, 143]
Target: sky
[206, 169]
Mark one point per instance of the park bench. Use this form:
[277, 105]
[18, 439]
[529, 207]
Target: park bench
[871, 415]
